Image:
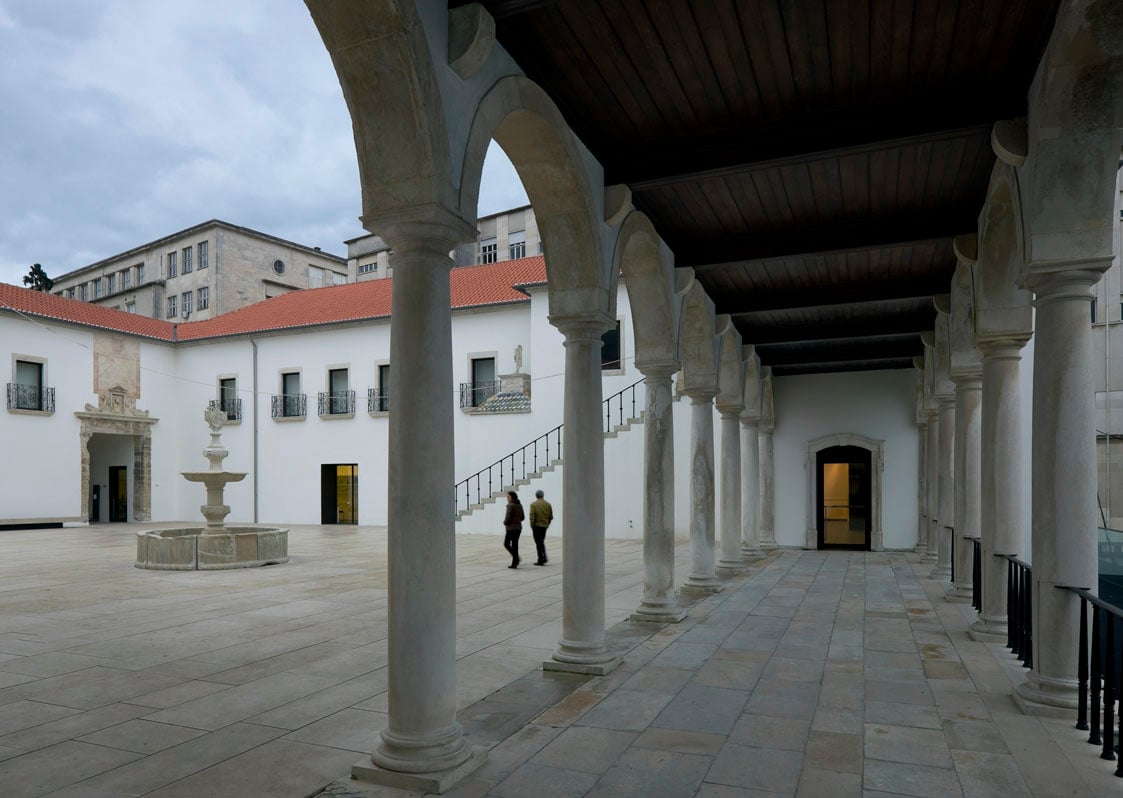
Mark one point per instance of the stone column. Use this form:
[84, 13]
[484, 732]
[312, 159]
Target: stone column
[922, 488]
[730, 561]
[659, 603]
[703, 577]
[750, 487]
[1004, 512]
[423, 735]
[1064, 481]
[945, 514]
[967, 482]
[932, 453]
[582, 648]
[767, 518]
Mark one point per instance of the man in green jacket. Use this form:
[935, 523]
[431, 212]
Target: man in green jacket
[541, 514]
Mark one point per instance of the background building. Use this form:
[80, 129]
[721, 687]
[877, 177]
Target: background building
[201, 272]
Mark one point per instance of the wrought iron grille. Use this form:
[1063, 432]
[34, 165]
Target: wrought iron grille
[334, 404]
[30, 397]
[474, 394]
[377, 402]
[231, 407]
[294, 405]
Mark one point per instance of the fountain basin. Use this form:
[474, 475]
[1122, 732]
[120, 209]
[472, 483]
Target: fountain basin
[200, 549]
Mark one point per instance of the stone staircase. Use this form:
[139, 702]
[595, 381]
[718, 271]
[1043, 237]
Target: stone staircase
[552, 466]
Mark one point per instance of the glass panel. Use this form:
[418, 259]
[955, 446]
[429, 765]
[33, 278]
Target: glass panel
[610, 350]
[346, 493]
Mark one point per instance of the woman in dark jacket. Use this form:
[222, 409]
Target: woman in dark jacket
[513, 524]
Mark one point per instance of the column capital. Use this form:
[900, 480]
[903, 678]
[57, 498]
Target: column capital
[582, 327]
[1073, 281]
[700, 396]
[729, 411]
[750, 421]
[968, 379]
[1006, 347]
[932, 415]
[428, 228]
[947, 401]
[654, 372]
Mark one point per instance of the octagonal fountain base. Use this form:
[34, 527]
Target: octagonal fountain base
[193, 549]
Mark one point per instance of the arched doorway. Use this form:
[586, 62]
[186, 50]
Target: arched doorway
[844, 493]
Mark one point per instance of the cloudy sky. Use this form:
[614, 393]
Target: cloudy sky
[124, 120]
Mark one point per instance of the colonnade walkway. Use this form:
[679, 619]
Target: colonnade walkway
[812, 673]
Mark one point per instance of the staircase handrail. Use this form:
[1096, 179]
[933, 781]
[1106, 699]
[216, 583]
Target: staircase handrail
[516, 462]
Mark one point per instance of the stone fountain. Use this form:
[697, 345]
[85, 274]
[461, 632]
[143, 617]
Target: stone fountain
[216, 545]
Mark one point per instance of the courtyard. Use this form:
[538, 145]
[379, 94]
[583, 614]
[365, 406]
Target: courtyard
[812, 673]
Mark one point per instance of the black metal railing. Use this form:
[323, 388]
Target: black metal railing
[616, 405]
[30, 397]
[290, 405]
[533, 457]
[474, 394]
[1101, 670]
[334, 404]
[231, 407]
[951, 534]
[976, 573]
[377, 402]
[1019, 608]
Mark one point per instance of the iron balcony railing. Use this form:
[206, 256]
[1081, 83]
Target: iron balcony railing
[531, 458]
[474, 394]
[334, 404]
[290, 405]
[1019, 608]
[231, 407]
[976, 573]
[377, 402]
[30, 397]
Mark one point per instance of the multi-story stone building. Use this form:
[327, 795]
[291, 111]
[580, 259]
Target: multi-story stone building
[201, 272]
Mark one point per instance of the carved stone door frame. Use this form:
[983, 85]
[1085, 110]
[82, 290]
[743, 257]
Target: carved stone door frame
[877, 467]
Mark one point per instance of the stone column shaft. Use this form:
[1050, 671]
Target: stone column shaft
[423, 734]
[703, 576]
[922, 489]
[968, 479]
[582, 647]
[932, 452]
[730, 561]
[1004, 512]
[659, 603]
[767, 517]
[750, 488]
[945, 487]
[1064, 482]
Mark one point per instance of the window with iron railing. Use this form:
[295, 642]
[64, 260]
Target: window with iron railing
[336, 404]
[231, 407]
[377, 402]
[474, 394]
[289, 405]
[28, 391]
[228, 399]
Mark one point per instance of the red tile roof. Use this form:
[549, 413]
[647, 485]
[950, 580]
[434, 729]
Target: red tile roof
[471, 286]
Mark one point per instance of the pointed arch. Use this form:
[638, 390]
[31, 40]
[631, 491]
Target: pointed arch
[645, 263]
[731, 366]
[698, 344]
[1003, 307]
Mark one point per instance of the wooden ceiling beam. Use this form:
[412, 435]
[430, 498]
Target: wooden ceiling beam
[875, 326]
[502, 9]
[744, 305]
[840, 351]
[835, 367]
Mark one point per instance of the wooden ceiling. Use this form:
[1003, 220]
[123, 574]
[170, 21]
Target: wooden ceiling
[811, 159]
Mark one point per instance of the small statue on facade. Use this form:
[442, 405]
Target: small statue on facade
[518, 358]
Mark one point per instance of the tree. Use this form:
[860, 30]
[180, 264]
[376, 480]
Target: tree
[37, 279]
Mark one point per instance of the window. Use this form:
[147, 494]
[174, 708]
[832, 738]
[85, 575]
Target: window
[187, 260]
[610, 350]
[368, 268]
[338, 279]
[99, 288]
[186, 304]
[130, 307]
[85, 292]
[488, 250]
[315, 277]
[140, 274]
[228, 400]
[516, 244]
[171, 265]
[483, 385]
[204, 298]
[292, 400]
[111, 284]
[126, 279]
[338, 392]
[70, 293]
[204, 254]
[26, 392]
[540, 250]
[381, 401]
[1093, 310]
[171, 307]
[279, 267]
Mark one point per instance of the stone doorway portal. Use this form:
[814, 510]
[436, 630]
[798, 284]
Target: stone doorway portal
[846, 442]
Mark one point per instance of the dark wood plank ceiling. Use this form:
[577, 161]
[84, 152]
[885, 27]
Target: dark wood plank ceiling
[811, 159]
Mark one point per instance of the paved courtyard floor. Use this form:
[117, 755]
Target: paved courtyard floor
[812, 674]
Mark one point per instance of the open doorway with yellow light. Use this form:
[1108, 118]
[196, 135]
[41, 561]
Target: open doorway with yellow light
[339, 493]
[844, 497]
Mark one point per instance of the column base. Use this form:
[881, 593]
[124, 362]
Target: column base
[730, 568]
[658, 613]
[768, 545]
[751, 554]
[584, 668]
[1047, 697]
[989, 630]
[941, 572]
[593, 659]
[437, 781]
[957, 594]
[697, 586]
[930, 557]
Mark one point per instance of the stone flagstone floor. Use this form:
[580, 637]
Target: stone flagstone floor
[832, 674]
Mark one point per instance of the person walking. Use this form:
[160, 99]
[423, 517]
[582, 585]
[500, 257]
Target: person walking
[513, 525]
[541, 514]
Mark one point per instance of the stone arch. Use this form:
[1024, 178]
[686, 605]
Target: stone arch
[524, 121]
[644, 262]
[731, 366]
[698, 344]
[386, 71]
[876, 449]
[961, 321]
[1003, 307]
[1074, 135]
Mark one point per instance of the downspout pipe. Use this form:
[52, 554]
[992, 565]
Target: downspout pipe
[253, 344]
